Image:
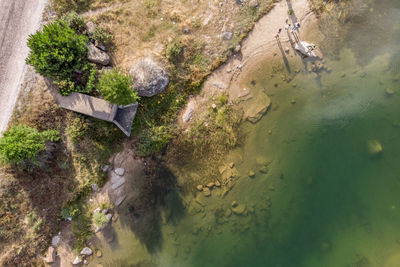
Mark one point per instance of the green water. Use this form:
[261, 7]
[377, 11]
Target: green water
[324, 201]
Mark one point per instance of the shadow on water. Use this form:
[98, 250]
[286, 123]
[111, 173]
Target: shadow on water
[156, 201]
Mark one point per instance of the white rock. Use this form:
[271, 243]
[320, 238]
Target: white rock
[78, 260]
[107, 168]
[118, 183]
[55, 240]
[187, 115]
[97, 210]
[119, 171]
[86, 251]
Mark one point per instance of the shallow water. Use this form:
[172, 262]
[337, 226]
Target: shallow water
[323, 200]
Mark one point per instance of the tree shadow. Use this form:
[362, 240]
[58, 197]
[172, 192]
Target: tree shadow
[154, 202]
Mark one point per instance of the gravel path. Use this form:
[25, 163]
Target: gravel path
[18, 19]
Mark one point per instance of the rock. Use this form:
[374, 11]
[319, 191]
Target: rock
[214, 106]
[217, 184]
[287, 50]
[119, 171]
[221, 169]
[107, 168]
[239, 209]
[90, 27]
[227, 36]
[206, 192]
[104, 211]
[210, 185]
[55, 240]
[231, 164]
[389, 92]
[86, 251]
[252, 174]
[85, 262]
[293, 101]
[234, 203]
[374, 147]
[149, 78]
[119, 200]
[188, 114]
[237, 49]
[257, 108]
[228, 213]
[97, 56]
[199, 187]
[97, 210]
[95, 188]
[78, 260]
[220, 85]
[99, 254]
[118, 183]
[99, 265]
[186, 30]
[50, 255]
[115, 217]
[254, 3]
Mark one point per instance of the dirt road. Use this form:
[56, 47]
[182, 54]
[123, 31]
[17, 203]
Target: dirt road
[18, 19]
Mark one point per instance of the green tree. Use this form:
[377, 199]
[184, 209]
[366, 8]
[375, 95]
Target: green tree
[116, 87]
[59, 53]
[22, 143]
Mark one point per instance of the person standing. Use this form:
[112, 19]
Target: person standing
[287, 27]
[279, 31]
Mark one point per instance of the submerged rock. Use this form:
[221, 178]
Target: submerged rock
[252, 174]
[374, 147]
[199, 187]
[239, 209]
[257, 108]
[389, 92]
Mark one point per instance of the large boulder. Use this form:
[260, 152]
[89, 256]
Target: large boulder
[149, 78]
[97, 56]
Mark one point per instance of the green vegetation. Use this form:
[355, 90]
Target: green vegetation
[77, 129]
[99, 219]
[21, 143]
[174, 51]
[75, 22]
[103, 37]
[59, 53]
[63, 6]
[154, 139]
[116, 87]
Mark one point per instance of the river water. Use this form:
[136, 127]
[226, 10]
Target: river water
[319, 196]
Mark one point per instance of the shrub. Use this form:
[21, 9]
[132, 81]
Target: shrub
[153, 140]
[78, 129]
[174, 51]
[63, 6]
[102, 37]
[22, 143]
[116, 87]
[74, 21]
[59, 53]
[99, 219]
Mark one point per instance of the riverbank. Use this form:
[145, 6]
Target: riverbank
[64, 185]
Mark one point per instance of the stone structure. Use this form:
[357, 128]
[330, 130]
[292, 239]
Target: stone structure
[122, 116]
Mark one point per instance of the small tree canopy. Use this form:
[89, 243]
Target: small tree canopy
[57, 51]
[116, 87]
[22, 143]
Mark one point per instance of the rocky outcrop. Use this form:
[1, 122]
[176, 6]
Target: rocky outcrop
[97, 56]
[149, 78]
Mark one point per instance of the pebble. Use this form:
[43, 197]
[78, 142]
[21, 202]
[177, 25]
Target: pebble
[86, 251]
[251, 174]
[234, 204]
[217, 184]
[99, 254]
[293, 101]
[389, 92]
[119, 171]
[77, 260]
[231, 164]
[199, 187]
[240, 209]
[206, 192]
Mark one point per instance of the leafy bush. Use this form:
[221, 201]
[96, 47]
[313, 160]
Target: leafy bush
[99, 219]
[59, 53]
[70, 211]
[22, 143]
[63, 6]
[102, 37]
[116, 87]
[74, 21]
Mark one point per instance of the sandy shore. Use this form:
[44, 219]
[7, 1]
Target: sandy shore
[258, 46]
